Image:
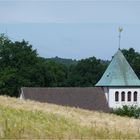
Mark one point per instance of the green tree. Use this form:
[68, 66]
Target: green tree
[87, 72]
[133, 58]
[17, 59]
[20, 66]
[58, 73]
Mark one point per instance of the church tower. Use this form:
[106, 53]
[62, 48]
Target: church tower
[121, 84]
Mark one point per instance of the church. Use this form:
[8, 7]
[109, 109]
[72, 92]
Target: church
[118, 86]
[121, 84]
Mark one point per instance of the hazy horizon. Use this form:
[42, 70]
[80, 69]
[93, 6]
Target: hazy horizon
[72, 29]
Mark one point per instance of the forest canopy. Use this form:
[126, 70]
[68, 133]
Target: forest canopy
[21, 66]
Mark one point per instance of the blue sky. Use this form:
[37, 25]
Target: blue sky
[72, 28]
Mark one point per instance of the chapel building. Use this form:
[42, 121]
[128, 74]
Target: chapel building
[118, 86]
[121, 84]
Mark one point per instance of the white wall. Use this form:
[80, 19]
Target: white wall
[21, 94]
[114, 104]
[106, 91]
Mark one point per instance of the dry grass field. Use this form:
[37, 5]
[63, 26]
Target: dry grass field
[33, 120]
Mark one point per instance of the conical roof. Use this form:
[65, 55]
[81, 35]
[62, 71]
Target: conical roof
[119, 73]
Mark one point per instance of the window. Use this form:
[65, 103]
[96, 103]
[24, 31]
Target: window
[135, 96]
[129, 96]
[123, 96]
[116, 96]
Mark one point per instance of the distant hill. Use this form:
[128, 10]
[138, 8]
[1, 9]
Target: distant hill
[21, 119]
[64, 61]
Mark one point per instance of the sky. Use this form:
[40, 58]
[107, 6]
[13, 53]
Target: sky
[72, 28]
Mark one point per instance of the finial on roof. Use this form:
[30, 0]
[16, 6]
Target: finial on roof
[120, 30]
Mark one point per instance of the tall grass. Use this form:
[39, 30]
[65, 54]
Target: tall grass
[32, 120]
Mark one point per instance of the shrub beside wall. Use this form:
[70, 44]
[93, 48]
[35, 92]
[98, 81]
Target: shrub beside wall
[130, 111]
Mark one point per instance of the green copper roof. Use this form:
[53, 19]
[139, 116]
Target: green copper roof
[119, 73]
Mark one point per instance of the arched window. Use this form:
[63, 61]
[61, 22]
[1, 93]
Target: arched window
[129, 96]
[123, 96]
[116, 96]
[135, 95]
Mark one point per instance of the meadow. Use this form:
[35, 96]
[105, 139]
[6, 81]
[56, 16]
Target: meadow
[21, 119]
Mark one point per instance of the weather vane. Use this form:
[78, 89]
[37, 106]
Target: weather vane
[120, 30]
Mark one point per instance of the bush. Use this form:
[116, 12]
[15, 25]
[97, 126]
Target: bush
[130, 111]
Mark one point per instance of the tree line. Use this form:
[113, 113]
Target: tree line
[21, 66]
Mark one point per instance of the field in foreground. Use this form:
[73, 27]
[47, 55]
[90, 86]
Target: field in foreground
[33, 120]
